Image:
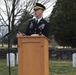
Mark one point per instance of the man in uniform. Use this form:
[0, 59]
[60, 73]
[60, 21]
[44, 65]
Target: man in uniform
[38, 26]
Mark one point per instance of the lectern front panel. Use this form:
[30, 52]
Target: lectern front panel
[33, 56]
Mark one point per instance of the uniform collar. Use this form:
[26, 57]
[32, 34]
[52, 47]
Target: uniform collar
[39, 19]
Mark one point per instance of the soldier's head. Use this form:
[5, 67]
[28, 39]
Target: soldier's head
[38, 10]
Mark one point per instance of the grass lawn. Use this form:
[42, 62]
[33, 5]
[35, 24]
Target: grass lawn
[4, 70]
[61, 68]
[55, 68]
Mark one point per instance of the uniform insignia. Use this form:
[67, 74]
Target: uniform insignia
[31, 25]
[42, 26]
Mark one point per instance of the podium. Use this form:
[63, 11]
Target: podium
[33, 55]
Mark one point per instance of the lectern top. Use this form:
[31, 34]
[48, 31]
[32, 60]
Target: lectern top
[34, 37]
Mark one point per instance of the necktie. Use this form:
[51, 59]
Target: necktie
[36, 21]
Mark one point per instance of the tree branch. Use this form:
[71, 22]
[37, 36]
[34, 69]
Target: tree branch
[3, 19]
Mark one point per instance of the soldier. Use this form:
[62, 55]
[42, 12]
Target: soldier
[38, 26]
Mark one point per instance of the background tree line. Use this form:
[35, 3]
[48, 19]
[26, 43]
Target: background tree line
[63, 22]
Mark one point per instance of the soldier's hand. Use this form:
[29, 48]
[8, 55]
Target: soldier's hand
[19, 34]
[35, 35]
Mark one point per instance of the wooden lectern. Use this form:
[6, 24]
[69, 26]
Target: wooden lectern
[33, 55]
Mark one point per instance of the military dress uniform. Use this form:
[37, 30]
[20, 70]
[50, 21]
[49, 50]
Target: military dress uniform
[34, 27]
[41, 27]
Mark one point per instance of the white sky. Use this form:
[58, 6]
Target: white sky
[48, 11]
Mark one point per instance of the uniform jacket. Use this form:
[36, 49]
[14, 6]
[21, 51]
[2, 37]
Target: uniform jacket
[41, 28]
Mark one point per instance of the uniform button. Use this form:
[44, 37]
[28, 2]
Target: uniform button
[35, 32]
[40, 33]
[30, 31]
[35, 28]
[40, 29]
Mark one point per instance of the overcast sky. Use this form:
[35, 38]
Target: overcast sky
[49, 10]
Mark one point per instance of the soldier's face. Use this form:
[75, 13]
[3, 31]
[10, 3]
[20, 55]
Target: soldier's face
[38, 13]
